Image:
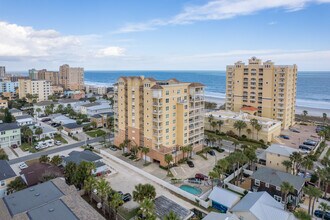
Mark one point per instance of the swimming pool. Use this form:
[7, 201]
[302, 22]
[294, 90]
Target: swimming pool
[190, 189]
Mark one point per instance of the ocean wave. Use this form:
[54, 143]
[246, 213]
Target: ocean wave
[93, 83]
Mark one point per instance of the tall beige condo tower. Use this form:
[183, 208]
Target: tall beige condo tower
[160, 115]
[51, 76]
[262, 89]
[71, 77]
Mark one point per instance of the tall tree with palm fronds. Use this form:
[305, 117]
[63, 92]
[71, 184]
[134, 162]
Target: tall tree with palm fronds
[287, 164]
[147, 210]
[168, 159]
[89, 185]
[324, 117]
[235, 143]
[239, 125]
[253, 123]
[171, 216]
[324, 207]
[145, 151]
[312, 193]
[258, 128]
[249, 131]
[210, 120]
[213, 125]
[144, 191]
[307, 163]
[305, 113]
[220, 123]
[296, 159]
[286, 188]
[103, 192]
[115, 201]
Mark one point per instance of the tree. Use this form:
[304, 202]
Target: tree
[206, 150]
[213, 125]
[324, 207]
[56, 160]
[239, 125]
[38, 110]
[305, 113]
[249, 131]
[302, 215]
[250, 153]
[296, 159]
[171, 216]
[8, 118]
[287, 164]
[184, 150]
[235, 143]
[115, 201]
[93, 124]
[27, 134]
[92, 99]
[44, 159]
[324, 117]
[145, 151]
[38, 131]
[210, 119]
[312, 193]
[103, 191]
[286, 188]
[59, 108]
[69, 172]
[89, 185]
[258, 127]
[253, 123]
[307, 163]
[16, 185]
[220, 123]
[190, 150]
[147, 210]
[144, 191]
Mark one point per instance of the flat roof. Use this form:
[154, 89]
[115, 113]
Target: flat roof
[34, 196]
[9, 126]
[164, 205]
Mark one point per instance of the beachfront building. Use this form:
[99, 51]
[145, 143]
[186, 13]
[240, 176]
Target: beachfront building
[8, 86]
[39, 88]
[268, 90]
[71, 78]
[270, 128]
[51, 76]
[160, 115]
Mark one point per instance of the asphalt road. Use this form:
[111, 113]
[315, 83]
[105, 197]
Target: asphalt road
[53, 151]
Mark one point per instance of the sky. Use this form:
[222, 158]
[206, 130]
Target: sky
[163, 34]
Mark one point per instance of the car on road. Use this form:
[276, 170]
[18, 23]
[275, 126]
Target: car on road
[190, 163]
[127, 197]
[113, 148]
[58, 143]
[46, 119]
[286, 137]
[23, 166]
[319, 214]
[211, 152]
[201, 176]
[294, 130]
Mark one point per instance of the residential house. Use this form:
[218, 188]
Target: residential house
[73, 128]
[50, 200]
[42, 106]
[220, 216]
[274, 155]
[101, 119]
[15, 112]
[270, 180]
[95, 108]
[24, 120]
[223, 199]
[10, 134]
[260, 206]
[35, 173]
[47, 130]
[3, 103]
[7, 175]
[88, 156]
[164, 205]
[61, 119]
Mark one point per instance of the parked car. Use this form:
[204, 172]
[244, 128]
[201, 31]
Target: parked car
[23, 166]
[46, 120]
[113, 148]
[304, 147]
[201, 176]
[302, 174]
[190, 163]
[294, 130]
[120, 192]
[285, 137]
[127, 197]
[310, 142]
[58, 143]
[319, 214]
[211, 152]
[14, 146]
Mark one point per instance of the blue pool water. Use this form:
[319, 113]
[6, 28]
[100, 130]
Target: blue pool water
[191, 189]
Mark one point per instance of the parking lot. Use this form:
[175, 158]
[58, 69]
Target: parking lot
[296, 139]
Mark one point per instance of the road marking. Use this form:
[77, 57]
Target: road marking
[174, 171]
[183, 170]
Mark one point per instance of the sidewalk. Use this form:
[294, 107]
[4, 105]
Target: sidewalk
[9, 152]
[324, 151]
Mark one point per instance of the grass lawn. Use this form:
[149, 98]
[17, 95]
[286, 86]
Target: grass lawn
[27, 147]
[96, 133]
[3, 155]
[60, 138]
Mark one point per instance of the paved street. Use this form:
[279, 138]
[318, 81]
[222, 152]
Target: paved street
[52, 151]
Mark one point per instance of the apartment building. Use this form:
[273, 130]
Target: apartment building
[10, 134]
[33, 74]
[160, 115]
[8, 86]
[262, 89]
[71, 78]
[51, 76]
[41, 88]
[2, 71]
[3, 103]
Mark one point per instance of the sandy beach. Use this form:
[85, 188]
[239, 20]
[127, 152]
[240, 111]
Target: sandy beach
[318, 112]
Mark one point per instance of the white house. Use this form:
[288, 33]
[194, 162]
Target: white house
[15, 112]
[42, 106]
[223, 199]
[24, 120]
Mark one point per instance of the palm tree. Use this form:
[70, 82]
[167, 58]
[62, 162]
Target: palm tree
[213, 125]
[144, 191]
[296, 159]
[235, 143]
[286, 188]
[305, 113]
[44, 159]
[16, 185]
[147, 209]
[312, 193]
[253, 123]
[307, 163]
[184, 150]
[324, 117]
[102, 191]
[145, 151]
[210, 119]
[317, 194]
[250, 153]
[38, 110]
[171, 216]
[239, 125]
[127, 144]
[258, 127]
[220, 123]
[206, 150]
[249, 131]
[56, 160]
[214, 174]
[168, 159]
[324, 207]
[287, 164]
[190, 150]
[115, 201]
[302, 215]
[69, 172]
[38, 131]
[89, 185]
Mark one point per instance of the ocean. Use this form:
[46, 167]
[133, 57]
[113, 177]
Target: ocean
[313, 89]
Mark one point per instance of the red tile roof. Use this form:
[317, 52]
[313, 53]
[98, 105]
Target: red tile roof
[249, 108]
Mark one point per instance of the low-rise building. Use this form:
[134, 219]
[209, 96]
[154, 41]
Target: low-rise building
[260, 206]
[7, 175]
[3, 103]
[61, 119]
[15, 112]
[50, 200]
[95, 108]
[274, 156]
[270, 180]
[270, 128]
[88, 156]
[24, 120]
[223, 199]
[57, 90]
[163, 206]
[220, 216]
[73, 128]
[101, 119]
[10, 134]
[42, 106]
[76, 94]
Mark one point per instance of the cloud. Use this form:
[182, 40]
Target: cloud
[28, 44]
[111, 52]
[219, 10]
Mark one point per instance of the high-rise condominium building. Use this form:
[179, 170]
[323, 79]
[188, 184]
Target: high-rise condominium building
[262, 89]
[51, 76]
[33, 74]
[2, 71]
[41, 88]
[160, 115]
[71, 77]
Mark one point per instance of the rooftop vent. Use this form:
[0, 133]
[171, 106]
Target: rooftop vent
[37, 194]
[51, 210]
[31, 189]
